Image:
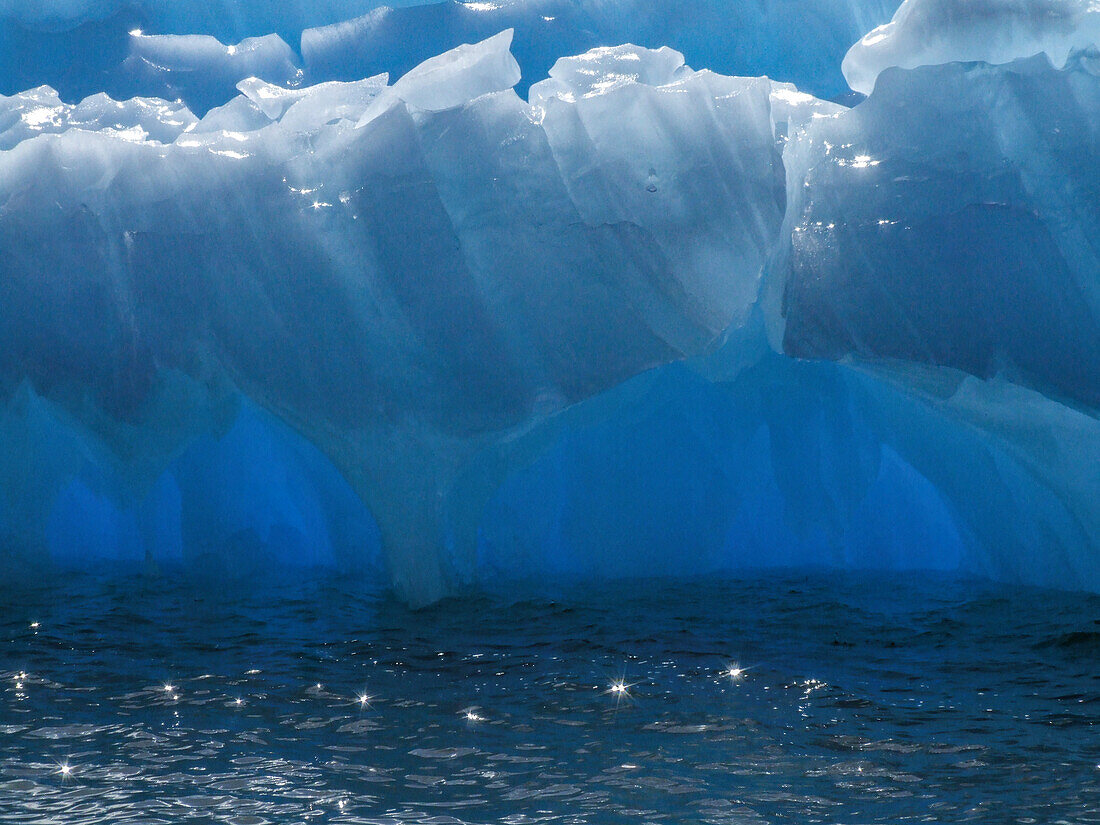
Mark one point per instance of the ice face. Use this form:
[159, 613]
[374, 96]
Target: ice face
[778, 466]
[945, 221]
[931, 32]
[461, 263]
[200, 481]
[650, 321]
[708, 219]
[887, 466]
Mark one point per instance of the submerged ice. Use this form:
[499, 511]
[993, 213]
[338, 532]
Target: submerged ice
[648, 321]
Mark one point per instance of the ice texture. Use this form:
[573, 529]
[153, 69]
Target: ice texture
[40, 111]
[949, 220]
[405, 274]
[932, 32]
[649, 321]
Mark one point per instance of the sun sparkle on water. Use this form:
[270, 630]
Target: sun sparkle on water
[563, 710]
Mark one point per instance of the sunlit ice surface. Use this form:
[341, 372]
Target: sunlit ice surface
[859, 699]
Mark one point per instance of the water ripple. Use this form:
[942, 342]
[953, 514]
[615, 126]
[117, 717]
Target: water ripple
[850, 700]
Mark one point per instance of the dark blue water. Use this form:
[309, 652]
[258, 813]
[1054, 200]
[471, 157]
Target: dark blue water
[863, 700]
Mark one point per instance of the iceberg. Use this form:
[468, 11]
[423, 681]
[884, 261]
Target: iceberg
[649, 321]
[405, 274]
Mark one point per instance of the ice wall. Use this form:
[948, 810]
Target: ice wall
[949, 220]
[197, 481]
[887, 466]
[778, 466]
[403, 273]
[649, 321]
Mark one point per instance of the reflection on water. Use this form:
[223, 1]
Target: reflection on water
[780, 699]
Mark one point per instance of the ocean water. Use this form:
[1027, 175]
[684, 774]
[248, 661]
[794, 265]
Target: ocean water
[878, 699]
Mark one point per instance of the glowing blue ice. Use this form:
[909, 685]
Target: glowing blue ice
[650, 320]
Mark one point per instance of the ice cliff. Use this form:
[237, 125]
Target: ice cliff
[650, 320]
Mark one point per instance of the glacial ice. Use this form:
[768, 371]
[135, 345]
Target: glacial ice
[651, 321]
[932, 32]
[40, 111]
[200, 479]
[948, 220]
[454, 282]
[805, 463]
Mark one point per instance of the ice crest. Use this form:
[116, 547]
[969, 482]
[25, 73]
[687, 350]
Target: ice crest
[311, 107]
[730, 38]
[931, 32]
[602, 69]
[40, 111]
[461, 75]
